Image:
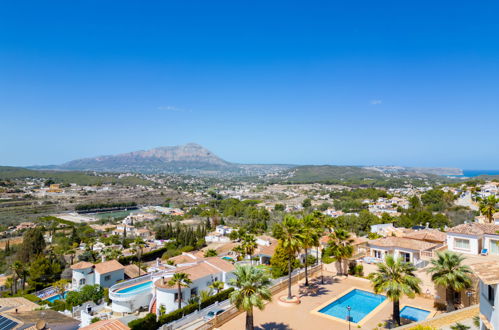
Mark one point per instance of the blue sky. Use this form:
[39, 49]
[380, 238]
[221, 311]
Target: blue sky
[305, 82]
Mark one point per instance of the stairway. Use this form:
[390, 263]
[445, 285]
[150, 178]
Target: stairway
[152, 309]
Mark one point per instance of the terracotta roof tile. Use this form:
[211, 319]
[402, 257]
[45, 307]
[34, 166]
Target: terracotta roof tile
[108, 266]
[402, 242]
[487, 272]
[112, 324]
[82, 265]
[475, 229]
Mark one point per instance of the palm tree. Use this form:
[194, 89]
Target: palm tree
[310, 238]
[139, 244]
[253, 290]
[447, 270]
[290, 234]
[180, 280]
[217, 285]
[396, 278]
[488, 207]
[20, 272]
[341, 246]
[460, 326]
[249, 245]
[60, 287]
[9, 284]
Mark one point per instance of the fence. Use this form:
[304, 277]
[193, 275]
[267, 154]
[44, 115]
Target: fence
[279, 284]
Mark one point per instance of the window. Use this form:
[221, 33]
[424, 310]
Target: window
[405, 256]
[82, 281]
[194, 292]
[107, 277]
[457, 297]
[462, 244]
[175, 297]
[491, 294]
[494, 246]
[378, 254]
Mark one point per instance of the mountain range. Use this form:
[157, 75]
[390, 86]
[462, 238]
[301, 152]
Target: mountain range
[194, 159]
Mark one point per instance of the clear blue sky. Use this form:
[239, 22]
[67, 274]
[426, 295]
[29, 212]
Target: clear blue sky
[309, 82]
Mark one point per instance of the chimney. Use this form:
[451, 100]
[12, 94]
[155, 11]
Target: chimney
[103, 258]
[427, 225]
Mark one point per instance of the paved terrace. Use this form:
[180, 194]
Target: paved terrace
[277, 316]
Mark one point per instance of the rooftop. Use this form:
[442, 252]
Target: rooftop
[403, 242]
[108, 266]
[112, 324]
[82, 265]
[475, 229]
[487, 272]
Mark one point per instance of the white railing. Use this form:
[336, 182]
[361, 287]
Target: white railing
[125, 296]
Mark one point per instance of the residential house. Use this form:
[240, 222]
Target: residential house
[201, 273]
[411, 250]
[224, 230]
[105, 274]
[488, 274]
[474, 238]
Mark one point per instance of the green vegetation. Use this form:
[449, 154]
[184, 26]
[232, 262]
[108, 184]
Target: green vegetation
[149, 322]
[180, 280]
[448, 271]
[80, 178]
[352, 200]
[488, 207]
[290, 236]
[253, 290]
[395, 278]
[104, 206]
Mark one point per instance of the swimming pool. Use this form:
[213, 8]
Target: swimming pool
[137, 287]
[414, 314]
[56, 297]
[361, 303]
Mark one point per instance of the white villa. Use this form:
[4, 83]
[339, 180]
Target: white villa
[152, 290]
[488, 274]
[106, 274]
[474, 238]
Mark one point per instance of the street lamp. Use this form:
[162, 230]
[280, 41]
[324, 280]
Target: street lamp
[349, 308]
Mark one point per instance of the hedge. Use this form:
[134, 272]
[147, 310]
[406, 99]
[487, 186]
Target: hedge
[148, 256]
[147, 322]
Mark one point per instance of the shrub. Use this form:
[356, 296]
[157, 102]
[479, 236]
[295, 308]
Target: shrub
[146, 323]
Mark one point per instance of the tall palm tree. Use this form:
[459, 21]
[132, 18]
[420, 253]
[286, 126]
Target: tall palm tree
[180, 280]
[249, 245]
[395, 278]
[290, 235]
[139, 245]
[20, 272]
[341, 246]
[217, 285]
[488, 207]
[448, 271]
[310, 238]
[253, 290]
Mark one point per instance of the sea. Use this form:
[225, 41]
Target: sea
[475, 173]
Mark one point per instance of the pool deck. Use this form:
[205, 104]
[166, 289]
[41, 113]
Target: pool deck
[305, 316]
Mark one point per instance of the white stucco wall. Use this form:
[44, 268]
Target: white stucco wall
[117, 275]
[78, 274]
[486, 309]
[475, 243]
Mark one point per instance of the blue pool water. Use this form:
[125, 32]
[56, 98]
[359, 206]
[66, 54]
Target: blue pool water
[361, 303]
[414, 314]
[56, 297]
[137, 287]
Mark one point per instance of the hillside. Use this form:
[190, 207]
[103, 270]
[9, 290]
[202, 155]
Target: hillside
[80, 178]
[355, 176]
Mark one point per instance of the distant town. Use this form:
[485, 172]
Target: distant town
[172, 251]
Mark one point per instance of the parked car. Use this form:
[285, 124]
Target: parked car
[214, 313]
